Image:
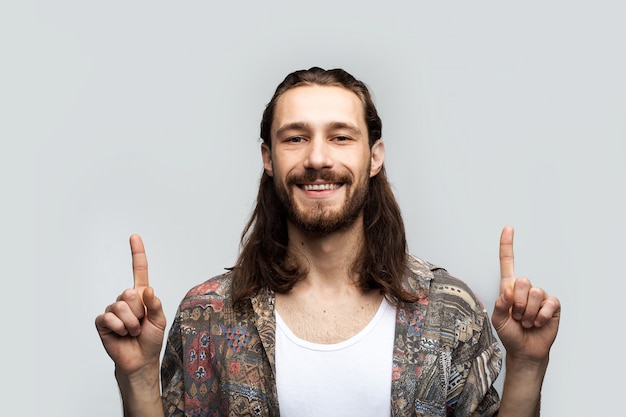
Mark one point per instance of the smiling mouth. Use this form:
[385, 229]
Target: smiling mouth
[320, 187]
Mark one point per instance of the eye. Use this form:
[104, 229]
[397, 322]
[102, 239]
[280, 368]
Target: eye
[295, 139]
[341, 138]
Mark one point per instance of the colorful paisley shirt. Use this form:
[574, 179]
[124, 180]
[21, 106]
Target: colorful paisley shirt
[220, 361]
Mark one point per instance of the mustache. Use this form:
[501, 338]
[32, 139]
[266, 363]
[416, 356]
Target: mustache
[311, 175]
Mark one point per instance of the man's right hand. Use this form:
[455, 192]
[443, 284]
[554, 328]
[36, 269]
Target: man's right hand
[133, 327]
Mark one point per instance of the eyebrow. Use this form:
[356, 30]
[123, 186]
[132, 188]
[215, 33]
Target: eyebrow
[305, 126]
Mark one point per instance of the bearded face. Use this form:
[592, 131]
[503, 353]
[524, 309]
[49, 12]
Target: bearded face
[320, 158]
[319, 218]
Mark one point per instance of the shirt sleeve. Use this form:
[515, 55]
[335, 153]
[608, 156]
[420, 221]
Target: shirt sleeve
[172, 376]
[478, 396]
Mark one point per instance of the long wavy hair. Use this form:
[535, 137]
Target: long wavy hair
[263, 260]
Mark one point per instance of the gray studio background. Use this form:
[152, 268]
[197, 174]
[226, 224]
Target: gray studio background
[124, 117]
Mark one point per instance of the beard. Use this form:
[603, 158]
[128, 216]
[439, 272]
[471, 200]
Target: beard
[320, 220]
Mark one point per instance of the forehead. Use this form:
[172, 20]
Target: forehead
[315, 104]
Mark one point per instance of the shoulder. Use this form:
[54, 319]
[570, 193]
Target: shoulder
[436, 283]
[214, 293]
[450, 312]
[454, 292]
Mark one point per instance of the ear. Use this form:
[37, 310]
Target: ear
[377, 157]
[266, 154]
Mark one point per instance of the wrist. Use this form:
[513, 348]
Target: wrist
[140, 389]
[526, 368]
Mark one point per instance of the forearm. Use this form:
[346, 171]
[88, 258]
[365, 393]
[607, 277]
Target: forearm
[141, 394]
[521, 394]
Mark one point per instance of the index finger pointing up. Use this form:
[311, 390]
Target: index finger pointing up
[507, 264]
[140, 262]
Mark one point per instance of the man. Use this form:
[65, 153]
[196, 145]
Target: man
[325, 313]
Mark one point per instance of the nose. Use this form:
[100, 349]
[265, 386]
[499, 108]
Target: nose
[318, 154]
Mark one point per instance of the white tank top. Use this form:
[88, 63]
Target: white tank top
[351, 378]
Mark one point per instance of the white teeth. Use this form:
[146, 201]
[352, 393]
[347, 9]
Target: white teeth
[320, 187]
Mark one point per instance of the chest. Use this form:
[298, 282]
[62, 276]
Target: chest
[323, 322]
[351, 377]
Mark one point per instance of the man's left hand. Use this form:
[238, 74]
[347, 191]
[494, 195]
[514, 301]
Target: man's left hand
[525, 317]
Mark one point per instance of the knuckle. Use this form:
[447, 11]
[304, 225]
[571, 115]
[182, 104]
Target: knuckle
[128, 294]
[553, 304]
[537, 293]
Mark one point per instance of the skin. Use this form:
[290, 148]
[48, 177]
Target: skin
[306, 136]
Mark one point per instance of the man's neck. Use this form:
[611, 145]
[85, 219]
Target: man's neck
[327, 306]
[329, 259]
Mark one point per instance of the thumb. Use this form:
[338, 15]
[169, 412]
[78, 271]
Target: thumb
[154, 308]
[502, 308]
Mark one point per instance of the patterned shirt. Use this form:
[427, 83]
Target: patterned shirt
[220, 361]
